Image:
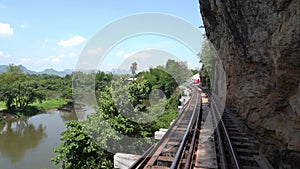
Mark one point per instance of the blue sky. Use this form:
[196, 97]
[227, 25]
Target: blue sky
[52, 34]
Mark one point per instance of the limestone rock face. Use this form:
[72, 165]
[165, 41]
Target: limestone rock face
[259, 44]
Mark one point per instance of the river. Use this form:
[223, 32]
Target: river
[27, 143]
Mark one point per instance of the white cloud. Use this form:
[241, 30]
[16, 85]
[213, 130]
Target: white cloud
[22, 26]
[120, 53]
[48, 59]
[55, 60]
[26, 60]
[127, 55]
[107, 67]
[83, 65]
[42, 60]
[130, 54]
[74, 41]
[52, 59]
[96, 51]
[72, 54]
[5, 30]
[2, 54]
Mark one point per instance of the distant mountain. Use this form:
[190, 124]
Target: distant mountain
[50, 71]
[55, 72]
[3, 68]
[120, 71]
[25, 70]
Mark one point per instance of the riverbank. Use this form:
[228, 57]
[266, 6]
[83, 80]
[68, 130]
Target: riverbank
[33, 109]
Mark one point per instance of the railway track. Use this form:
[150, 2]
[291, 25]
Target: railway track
[191, 144]
[234, 147]
[172, 150]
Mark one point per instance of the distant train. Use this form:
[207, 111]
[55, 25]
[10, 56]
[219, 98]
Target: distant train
[196, 81]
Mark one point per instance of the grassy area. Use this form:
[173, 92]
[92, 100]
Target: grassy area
[50, 103]
[2, 105]
[37, 107]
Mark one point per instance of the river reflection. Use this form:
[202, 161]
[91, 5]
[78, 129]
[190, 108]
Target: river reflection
[28, 143]
[17, 137]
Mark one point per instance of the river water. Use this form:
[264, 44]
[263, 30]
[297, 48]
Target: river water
[27, 143]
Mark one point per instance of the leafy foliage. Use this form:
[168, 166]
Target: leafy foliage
[160, 79]
[17, 90]
[205, 57]
[23, 94]
[123, 110]
[139, 91]
[178, 70]
[102, 80]
[117, 103]
[133, 68]
[27, 92]
[76, 140]
[194, 71]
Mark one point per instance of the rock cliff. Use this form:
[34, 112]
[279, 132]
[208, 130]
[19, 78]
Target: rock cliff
[259, 44]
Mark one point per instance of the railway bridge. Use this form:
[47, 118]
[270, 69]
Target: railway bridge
[204, 137]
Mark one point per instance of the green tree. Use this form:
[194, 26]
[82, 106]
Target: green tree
[133, 68]
[17, 90]
[205, 56]
[80, 151]
[7, 95]
[194, 71]
[206, 59]
[138, 91]
[125, 97]
[13, 74]
[178, 70]
[160, 79]
[101, 80]
[119, 113]
[27, 92]
[67, 93]
[67, 88]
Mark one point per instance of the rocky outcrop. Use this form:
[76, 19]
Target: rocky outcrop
[259, 44]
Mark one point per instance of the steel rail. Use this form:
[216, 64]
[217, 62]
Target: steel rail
[228, 140]
[224, 139]
[185, 137]
[236, 162]
[142, 159]
[141, 162]
[192, 146]
[221, 149]
[223, 163]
